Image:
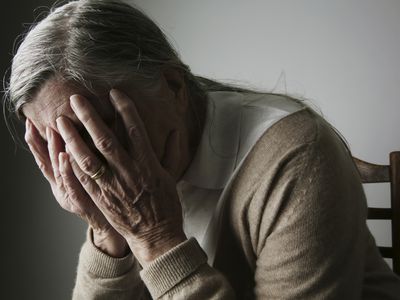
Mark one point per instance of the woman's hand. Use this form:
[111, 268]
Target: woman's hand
[135, 194]
[67, 189]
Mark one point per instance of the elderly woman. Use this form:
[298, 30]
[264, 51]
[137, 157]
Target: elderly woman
[191, 189]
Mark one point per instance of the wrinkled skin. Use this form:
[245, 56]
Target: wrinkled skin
[135, 202]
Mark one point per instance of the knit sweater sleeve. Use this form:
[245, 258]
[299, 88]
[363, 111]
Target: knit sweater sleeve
[183, 273]
[100, 276]
[180, 273]
[307, 230]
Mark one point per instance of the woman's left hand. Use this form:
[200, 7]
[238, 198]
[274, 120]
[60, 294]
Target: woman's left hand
[136, 195]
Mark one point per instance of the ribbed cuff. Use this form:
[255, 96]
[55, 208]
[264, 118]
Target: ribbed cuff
[172, 267]
[101, 264]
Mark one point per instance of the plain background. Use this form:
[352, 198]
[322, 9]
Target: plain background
[343, 56]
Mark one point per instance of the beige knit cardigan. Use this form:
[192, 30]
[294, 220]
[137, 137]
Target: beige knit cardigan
[293, 227]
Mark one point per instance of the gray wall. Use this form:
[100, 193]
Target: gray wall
[342, 55]
[40, 242]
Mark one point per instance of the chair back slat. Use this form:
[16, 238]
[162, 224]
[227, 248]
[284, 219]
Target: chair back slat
[394, 158]
[379, 213]
[373, 173]
[386, 252]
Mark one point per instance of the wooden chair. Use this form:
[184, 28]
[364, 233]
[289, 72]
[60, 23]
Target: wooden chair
[371, 173]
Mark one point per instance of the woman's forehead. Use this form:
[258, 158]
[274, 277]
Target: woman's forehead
[52, 101]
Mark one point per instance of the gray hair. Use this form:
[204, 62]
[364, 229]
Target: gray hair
[100, 44]
[94, 43]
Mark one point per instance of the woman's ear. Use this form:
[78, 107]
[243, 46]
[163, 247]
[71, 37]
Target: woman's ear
[175, 83]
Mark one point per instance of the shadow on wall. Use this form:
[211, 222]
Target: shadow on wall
[42, 242]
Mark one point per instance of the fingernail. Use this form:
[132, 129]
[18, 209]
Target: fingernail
[75, 101]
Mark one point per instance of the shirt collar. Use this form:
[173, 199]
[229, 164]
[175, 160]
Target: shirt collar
[234, 122]
[216, 155]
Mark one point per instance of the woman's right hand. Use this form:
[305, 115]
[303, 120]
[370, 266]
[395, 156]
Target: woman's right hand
[62, 174]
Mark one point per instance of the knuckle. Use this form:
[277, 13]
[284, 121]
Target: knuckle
[87, 165]
[105, 144]
[59, 181]
[85, 116]
[42, 166]
[68, 138]
[83, 179]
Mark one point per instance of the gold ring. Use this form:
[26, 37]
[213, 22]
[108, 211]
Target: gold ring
[100, 172]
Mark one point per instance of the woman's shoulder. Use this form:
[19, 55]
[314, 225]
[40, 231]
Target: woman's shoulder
[300, 129]
[299, 163]
[292, 121]
[294, 130]
[301, 136]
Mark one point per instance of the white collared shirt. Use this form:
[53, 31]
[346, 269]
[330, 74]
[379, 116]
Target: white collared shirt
[234, 122]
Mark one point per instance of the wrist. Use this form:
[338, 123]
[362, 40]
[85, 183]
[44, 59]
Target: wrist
[110, 242]
[147, 250]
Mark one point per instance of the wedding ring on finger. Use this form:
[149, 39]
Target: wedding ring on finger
[100, 172]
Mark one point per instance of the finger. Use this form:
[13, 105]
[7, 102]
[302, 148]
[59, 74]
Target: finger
[79, 201]
[95, 193]
[86, 160]
[71, 191]
[39, 150]
[91, 188]
[102, 137]
[133, 124]
[55, 146]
